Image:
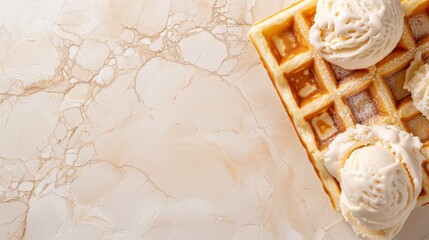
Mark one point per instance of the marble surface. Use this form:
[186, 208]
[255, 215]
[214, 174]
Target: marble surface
[150, 119]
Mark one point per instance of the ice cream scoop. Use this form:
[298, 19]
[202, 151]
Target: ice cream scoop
[379, 170]
[356, 34]
[417, 82]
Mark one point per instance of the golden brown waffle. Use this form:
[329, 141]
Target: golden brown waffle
[323, 100]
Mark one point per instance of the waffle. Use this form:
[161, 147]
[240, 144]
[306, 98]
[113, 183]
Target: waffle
[323, 100]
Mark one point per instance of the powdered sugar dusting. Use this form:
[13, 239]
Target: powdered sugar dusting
[419, 25]
[341, 73]
[362, 106]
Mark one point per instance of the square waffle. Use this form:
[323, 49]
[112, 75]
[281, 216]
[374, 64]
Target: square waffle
[323, 100]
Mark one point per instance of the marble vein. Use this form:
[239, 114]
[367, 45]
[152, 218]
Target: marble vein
[154, 119]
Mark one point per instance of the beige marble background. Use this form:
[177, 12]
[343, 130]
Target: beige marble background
[150, 119]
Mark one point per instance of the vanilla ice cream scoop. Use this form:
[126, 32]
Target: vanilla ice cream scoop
[356, 34]
[417, 82]
[379, 170]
